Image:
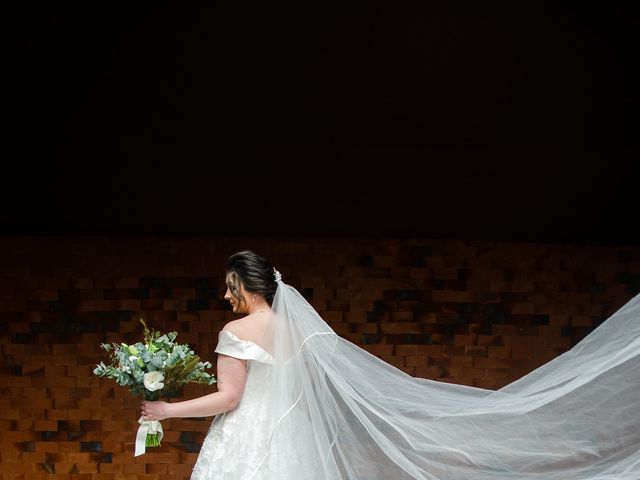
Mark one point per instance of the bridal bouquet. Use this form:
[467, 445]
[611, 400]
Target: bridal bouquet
[156, 367]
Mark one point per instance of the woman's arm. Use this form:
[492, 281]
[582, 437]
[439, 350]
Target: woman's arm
[231, 377]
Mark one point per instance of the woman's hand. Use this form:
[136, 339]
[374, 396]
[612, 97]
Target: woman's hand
[157, 410]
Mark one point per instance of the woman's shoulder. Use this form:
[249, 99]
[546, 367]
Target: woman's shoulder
[250, 327]
[232, 326]
[242, 340]
[243, 328]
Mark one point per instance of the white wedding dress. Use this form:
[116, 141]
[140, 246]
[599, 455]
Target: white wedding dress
[318, 407]
[239, 445]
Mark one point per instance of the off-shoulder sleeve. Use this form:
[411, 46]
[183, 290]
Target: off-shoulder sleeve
[233, 346]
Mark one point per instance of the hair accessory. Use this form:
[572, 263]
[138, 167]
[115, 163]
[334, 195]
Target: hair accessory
[277, 275]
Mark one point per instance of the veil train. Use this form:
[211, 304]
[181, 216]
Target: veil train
[575, 418]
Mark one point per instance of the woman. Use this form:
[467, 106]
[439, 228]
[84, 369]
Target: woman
[296, 401]
[250, 289]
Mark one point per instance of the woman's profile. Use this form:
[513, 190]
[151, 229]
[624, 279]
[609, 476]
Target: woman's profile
[297, 401]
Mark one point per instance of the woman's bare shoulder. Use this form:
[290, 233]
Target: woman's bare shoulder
[240, 327]
[245, 328]
[234, 326]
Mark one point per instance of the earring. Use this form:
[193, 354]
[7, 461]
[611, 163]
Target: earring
[254, 299]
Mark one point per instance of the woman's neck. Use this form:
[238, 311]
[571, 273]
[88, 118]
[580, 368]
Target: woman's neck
[260, 307]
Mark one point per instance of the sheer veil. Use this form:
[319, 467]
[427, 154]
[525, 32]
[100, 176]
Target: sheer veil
[354, 416]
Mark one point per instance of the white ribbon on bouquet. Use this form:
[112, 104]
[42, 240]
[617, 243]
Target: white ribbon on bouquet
[146, 427]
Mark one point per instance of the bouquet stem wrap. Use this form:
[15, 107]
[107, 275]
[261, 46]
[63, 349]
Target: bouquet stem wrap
[149, 435]
[150, 432]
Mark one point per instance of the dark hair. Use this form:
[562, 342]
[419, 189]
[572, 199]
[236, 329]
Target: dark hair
[254, 272]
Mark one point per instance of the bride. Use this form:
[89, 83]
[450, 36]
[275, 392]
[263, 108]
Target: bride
[297, 401]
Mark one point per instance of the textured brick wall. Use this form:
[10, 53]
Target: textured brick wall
[475, 313]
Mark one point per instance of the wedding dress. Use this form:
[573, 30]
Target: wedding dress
[317, 406]
[239, 444]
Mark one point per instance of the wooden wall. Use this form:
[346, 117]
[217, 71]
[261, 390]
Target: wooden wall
[476, 313]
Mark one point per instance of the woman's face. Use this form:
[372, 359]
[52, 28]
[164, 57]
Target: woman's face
[235, 294]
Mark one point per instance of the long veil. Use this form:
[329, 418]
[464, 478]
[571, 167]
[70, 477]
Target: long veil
[576, 417]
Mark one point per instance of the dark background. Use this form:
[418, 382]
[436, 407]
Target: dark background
[479, 120]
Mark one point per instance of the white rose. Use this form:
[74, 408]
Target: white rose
[153, 381]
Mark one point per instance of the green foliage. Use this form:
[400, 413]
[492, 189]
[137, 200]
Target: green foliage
[158, 353]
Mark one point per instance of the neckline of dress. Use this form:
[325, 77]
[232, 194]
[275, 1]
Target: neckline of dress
[229, 332]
